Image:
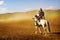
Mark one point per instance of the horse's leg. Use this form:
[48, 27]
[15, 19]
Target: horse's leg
[39, 30]
[48, 28]
[36, 27]
[36, 30]
[44, 29]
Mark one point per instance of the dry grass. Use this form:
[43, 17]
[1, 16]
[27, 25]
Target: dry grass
[24, 29]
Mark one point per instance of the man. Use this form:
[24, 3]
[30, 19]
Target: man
[41, 13]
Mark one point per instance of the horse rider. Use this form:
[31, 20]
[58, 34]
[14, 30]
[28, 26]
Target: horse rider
[40, 14]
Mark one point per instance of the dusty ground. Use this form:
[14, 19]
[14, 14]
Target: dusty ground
[32, 37]
[24, 29]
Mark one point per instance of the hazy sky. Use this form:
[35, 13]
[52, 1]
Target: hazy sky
[25, 5]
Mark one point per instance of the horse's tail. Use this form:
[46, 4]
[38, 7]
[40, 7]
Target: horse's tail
[48, 27]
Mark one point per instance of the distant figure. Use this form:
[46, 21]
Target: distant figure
[41, 14]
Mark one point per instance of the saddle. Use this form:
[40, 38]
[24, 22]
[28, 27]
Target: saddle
[41, 17]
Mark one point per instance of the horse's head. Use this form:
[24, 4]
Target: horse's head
[36, 16]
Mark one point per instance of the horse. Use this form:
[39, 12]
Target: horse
[41, 23]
